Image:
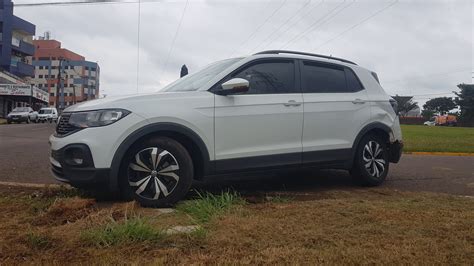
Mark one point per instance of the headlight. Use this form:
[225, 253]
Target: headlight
[97, 118]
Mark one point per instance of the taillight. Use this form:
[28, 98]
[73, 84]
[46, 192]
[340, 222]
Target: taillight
[394, 105]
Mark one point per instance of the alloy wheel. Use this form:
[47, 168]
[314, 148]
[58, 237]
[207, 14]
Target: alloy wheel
[374, 161]
[153, 173]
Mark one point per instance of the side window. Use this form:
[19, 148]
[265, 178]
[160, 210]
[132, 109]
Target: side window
[353, 83]
[269, 77]
[320, 78]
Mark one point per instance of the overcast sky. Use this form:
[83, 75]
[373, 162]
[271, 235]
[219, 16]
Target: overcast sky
[416, 47]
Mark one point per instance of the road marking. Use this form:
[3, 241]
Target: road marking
[440, 153]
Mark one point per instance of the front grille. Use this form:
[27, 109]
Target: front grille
[63, 127]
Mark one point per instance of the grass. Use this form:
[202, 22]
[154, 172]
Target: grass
[438, 139]
[208, 205]
[3, 121]
[130, 231]
[353, 226]
[38, 241]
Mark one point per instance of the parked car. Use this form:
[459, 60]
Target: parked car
[22, 114]
[236, 115]
[48, 114]
[430, 123]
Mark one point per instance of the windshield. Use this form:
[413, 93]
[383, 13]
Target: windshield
[195, 81]
[20, 109]
[45, 111]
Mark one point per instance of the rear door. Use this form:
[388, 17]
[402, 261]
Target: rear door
[261, 127]
[335, 109]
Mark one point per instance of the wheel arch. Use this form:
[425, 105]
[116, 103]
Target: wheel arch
[182, 134]
[377, 128]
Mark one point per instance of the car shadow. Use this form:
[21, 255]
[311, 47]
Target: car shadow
[291, 182]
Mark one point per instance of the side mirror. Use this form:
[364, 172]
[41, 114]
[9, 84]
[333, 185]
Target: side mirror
[235, 85]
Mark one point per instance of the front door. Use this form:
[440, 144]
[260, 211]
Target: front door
[261, 127]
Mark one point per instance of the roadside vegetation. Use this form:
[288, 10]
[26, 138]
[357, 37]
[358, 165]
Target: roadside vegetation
[419, 138]
[375, 226]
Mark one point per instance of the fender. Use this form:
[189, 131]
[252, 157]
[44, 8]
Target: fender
[154, 128]
[367, 128]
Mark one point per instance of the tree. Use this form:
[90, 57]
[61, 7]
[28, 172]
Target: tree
[440, 105]
[427, 114]
[405, 104]
[465, 100]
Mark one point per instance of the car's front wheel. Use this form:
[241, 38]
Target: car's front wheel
[371, 161]
[157, 172]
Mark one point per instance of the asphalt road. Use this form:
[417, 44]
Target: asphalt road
[24, 157]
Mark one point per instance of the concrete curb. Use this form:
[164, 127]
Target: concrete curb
[31, 185]
[440, 153]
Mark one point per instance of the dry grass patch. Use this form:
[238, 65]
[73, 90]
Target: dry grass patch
[374, 226]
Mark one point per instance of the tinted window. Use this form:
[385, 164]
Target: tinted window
[353, 83]
[269, 77]
[320, 78]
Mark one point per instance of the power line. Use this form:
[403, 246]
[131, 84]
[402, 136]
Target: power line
[357, 24]
[429, 75]
[83, 2]
[284, 23]
[259, 27]
[174, 38]
[296, 21]
[319, 22]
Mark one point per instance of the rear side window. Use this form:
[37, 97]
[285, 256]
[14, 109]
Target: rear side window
[269, 77]
[325, 78]
[353, 83]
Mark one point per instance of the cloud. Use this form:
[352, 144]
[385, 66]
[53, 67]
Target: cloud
[406, 44]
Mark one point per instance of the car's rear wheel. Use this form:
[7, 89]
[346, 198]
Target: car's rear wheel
[156, 173]
[371, 162]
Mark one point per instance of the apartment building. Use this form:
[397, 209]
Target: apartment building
[67, 76]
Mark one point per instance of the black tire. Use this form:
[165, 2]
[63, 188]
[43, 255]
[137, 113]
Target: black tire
[171, 154]
[9, 122]
[370, 176]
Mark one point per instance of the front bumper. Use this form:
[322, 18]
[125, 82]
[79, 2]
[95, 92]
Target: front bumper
[84, 175]
[395, 151]
[17, 118]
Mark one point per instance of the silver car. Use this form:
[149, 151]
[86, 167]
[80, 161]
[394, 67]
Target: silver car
[22, 114]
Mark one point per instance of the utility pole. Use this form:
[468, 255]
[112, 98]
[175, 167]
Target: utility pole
[58, 85]
[74, 93]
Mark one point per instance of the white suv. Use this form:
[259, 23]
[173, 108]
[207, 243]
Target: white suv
[270, 110]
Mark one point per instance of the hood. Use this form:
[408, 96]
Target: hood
[125, 102]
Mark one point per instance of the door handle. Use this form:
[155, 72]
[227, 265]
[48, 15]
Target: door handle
[292, 103]
[358, 101]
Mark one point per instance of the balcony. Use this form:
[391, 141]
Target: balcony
[24, 47]
[22, 70]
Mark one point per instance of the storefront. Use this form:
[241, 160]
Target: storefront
[16, 95]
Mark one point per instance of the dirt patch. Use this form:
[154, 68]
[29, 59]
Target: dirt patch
[66, 210]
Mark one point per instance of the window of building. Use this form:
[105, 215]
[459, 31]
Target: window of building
[269, 77]
[323, 78]
[51, 94]
[40, 76]
[41, 67]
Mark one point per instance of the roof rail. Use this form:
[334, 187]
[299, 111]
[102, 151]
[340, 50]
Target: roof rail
[303, 53]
